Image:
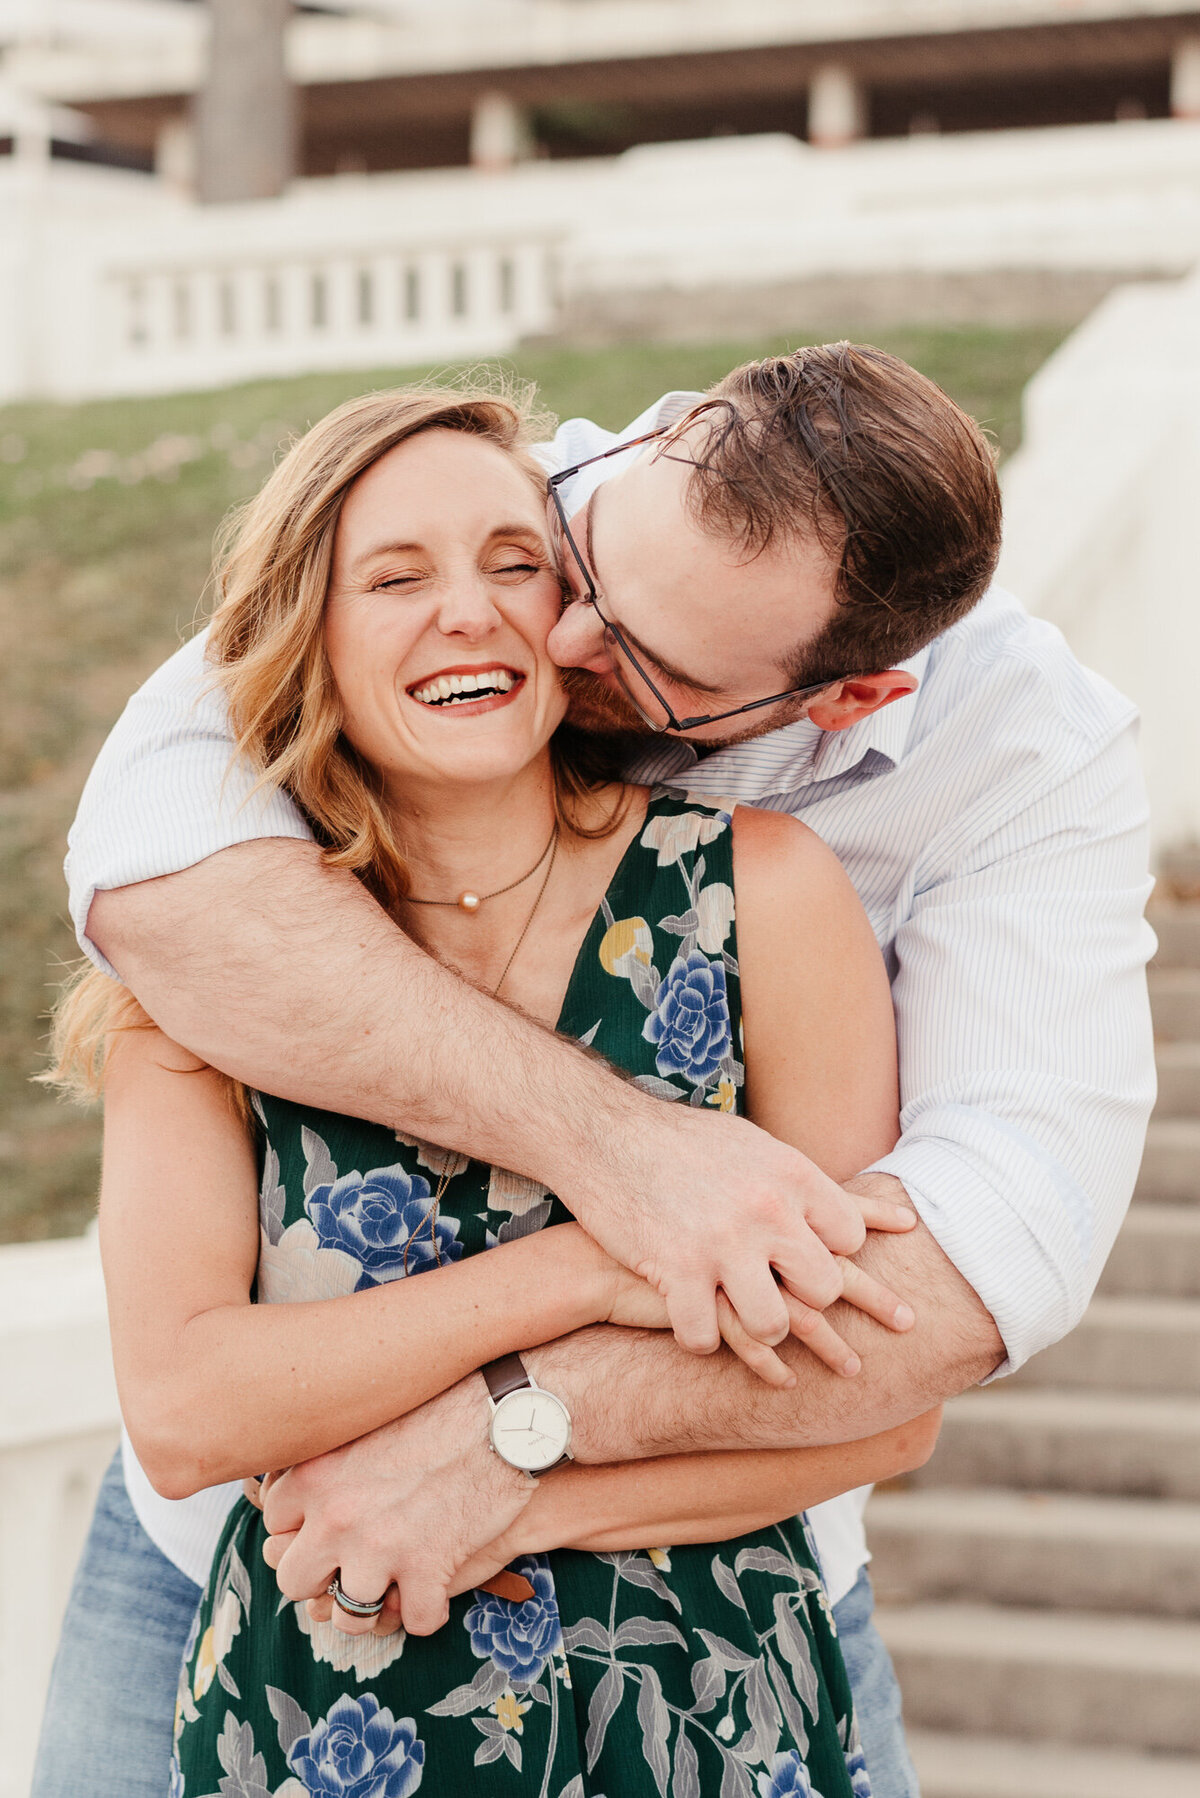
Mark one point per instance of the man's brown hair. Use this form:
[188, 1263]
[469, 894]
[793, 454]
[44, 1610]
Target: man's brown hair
[843, 441]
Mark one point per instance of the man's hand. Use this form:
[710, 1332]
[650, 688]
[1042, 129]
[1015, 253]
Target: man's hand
[406, 1506]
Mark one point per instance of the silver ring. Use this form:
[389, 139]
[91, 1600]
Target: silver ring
[353, 1607]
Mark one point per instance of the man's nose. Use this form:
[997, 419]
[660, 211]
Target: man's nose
[577, 640]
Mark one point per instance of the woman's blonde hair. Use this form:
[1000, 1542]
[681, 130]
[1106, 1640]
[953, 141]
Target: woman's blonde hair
[267, 645]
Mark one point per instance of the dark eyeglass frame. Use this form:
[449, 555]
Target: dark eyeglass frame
[613, 632]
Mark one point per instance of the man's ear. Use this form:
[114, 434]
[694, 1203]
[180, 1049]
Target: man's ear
[851, 700]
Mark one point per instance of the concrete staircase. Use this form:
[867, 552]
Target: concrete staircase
[1039, 1581]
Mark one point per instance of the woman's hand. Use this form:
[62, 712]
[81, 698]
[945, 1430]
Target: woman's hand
[635, 1304]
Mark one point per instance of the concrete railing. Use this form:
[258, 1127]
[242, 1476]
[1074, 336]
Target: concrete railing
[155, 295]
[1100, 520]
[58, 1428]
[112, 283]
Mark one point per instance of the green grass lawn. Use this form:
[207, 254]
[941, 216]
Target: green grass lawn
[107, 514]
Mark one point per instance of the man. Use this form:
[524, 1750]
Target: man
[790, 588]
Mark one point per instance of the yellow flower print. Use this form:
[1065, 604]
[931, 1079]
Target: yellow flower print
[715, 909]
[510, 1710]
[725, 1097]
[823, 1600]
[627, 941]
[216, 1642]
[675, 837]
[206, 1665]
[661, 1558]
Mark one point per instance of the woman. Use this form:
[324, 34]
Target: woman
[381, 638]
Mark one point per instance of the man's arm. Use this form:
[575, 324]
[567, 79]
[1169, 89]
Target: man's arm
[285, 973]
[1026, 1050]
[672, 1499]
[405, 1504]
[632, 1394]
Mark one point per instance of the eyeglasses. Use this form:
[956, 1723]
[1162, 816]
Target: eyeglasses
[651, 705]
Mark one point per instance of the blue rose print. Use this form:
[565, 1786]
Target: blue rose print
[690, 1020]
[359, 1751]
[788, 1778]
[518, 1638]
[860, 1779]
[384, 1220]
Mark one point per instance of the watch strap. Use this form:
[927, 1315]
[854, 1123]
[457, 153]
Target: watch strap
[505, 1375]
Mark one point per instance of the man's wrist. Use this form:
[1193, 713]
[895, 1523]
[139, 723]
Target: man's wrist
[579, 1369]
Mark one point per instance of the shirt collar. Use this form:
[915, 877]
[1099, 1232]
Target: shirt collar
[794, 756]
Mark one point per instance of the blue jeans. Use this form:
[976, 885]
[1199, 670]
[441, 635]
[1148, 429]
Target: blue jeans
[107, 1728]
[876, 1694]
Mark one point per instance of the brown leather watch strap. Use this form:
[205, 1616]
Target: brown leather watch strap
[504, 1376]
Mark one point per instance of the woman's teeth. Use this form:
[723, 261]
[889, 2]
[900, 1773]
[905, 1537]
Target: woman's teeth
[462, 689]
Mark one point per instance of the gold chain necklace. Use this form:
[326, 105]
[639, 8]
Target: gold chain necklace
[471, 901]
[551, 849]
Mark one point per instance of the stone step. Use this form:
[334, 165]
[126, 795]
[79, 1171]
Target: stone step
[1178, 1080]
[1177, 927]
[1131, 1445]
[1175, 1003]
[1125, 1344]
[1052, 1676]
[1170, 1170]
[992, 1767]
[1036, 1548]
[1179, 872]
[1158, 1251]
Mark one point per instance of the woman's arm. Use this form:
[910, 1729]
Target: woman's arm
[708, 1497]
[820, 1035]
[214, 1387]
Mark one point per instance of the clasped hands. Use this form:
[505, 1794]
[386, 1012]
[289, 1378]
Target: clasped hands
[423, 1509]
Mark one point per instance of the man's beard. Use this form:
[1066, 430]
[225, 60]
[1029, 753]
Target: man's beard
[601, 710]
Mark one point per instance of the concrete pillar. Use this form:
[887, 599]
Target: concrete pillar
[1185, 79]
[246, 110]
[500, 132]
[175, 153]
[837, 107]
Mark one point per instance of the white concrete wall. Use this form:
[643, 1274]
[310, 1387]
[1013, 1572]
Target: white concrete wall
[1102, 520]
[86, 49]
[128, 286]
[58, 1428]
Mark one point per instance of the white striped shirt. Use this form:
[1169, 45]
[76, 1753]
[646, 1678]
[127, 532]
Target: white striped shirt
[994, 825]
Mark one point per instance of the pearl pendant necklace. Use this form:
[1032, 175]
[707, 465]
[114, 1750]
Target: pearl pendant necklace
[470, 901]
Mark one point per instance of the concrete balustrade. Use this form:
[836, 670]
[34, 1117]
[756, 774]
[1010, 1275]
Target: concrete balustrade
[1100, 533]
[114, 283]
[58, 1428]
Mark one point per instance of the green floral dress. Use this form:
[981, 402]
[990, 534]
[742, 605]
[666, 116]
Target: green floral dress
[708, 1671]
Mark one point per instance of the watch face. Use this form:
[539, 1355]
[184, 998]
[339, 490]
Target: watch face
[531, 1429]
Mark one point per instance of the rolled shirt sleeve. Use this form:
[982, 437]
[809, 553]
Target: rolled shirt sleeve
[1026, 1050]
[168, 790]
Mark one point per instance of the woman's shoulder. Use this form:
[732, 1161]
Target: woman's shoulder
[777, 839]
[782, 866]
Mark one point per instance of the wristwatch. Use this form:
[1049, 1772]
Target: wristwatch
[530, 1428]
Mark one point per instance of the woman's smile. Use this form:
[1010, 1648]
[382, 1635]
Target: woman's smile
[468, 688]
